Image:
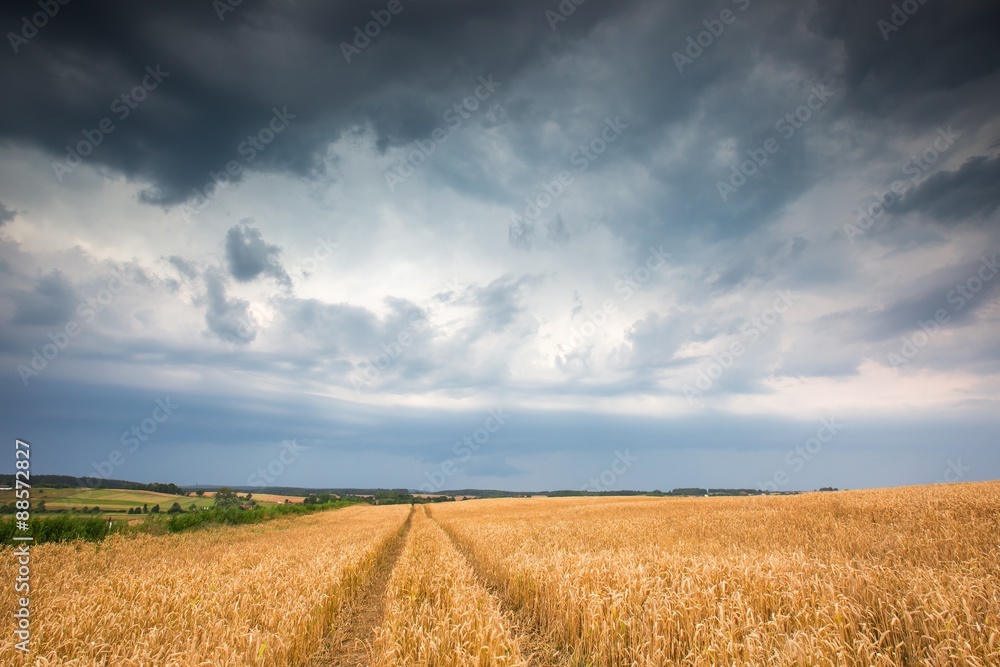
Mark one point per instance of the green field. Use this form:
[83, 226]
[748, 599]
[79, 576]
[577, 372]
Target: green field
[109, 499]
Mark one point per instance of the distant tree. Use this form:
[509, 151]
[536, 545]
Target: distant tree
[175, 509]
[226, 497]
[199, 493]
[145, 508]
[155, 509]
[192, 507]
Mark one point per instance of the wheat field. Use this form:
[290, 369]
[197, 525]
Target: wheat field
[897, 577]
[253, 595]
[889, 577]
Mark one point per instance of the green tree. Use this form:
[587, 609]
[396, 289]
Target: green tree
[145, 508]
[226, 497]
[199, 493]
[155, 509]
[175, 509]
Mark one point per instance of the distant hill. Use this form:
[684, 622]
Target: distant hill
[68, 481]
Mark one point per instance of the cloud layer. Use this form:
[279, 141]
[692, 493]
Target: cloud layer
[672, 214]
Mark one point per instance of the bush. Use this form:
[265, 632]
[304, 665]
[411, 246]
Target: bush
[235, 516]
[60, 529]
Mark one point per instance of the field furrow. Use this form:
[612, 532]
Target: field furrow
[255, 595]
[437, 614]
[352, 636]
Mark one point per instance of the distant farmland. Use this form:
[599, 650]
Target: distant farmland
[122, 499]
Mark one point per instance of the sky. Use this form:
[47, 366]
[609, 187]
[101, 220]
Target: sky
[513, 245]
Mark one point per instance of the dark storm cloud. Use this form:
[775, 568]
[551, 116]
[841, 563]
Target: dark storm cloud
[967, 194]
[250, 256]
[893, 62]
[225, 78]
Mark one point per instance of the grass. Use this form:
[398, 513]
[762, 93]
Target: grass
[67, 527]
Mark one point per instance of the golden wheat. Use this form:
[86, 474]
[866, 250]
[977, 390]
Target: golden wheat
[437, 615]
[253, 595]
[887, 577]
[870, 578]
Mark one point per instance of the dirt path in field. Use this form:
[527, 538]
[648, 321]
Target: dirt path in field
[348, 645]
[537, 648]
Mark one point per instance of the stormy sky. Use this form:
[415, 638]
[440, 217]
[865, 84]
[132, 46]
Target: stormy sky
[438, 244]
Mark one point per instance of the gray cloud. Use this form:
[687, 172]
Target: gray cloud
[6, 214]
[249, 256]
[968, 194]
[50, 303]
[503, 326]
[186, 268]
[229, 319]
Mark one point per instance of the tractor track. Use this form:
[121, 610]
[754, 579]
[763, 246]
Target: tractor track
[350, 642]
